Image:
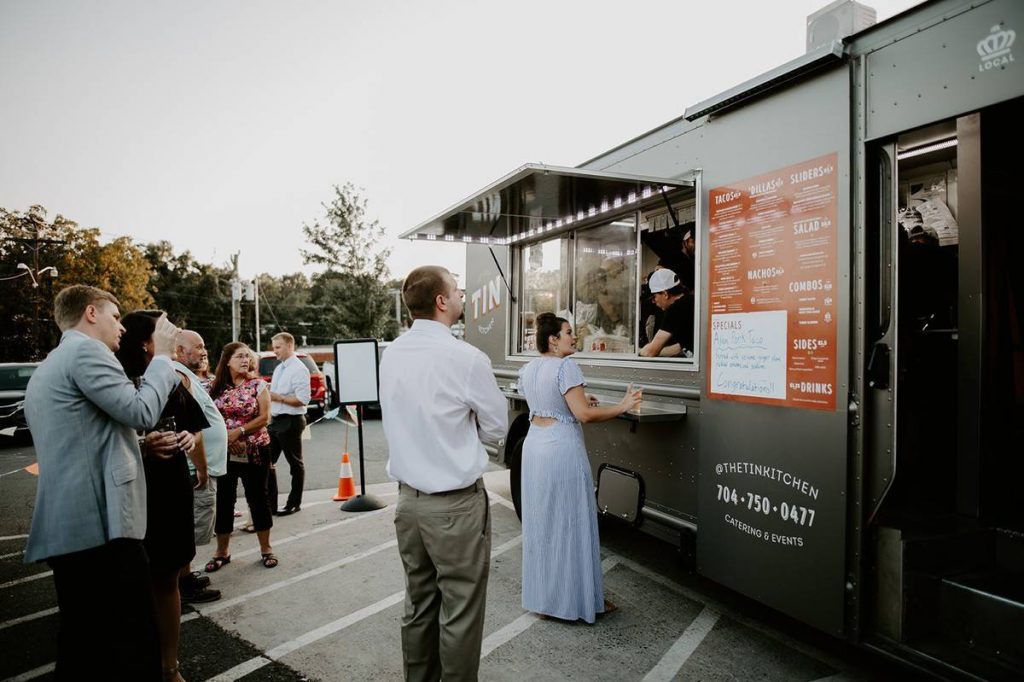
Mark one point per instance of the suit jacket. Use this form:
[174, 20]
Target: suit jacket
[83, 413]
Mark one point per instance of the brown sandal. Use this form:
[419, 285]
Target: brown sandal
[217, 563]
[269, 560]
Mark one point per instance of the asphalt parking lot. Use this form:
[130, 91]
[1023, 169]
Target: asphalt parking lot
[331, 610]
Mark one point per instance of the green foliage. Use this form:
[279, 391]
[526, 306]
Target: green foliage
[352, 306]
[195, 295]
[346, 242]
[352, 298]
[285, 306]
[118, 266]
[352, 295]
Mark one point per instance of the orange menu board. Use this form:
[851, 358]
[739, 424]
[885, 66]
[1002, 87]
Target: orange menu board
[772, 299]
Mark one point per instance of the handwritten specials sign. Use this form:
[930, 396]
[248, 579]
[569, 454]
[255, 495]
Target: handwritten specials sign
[772, 294]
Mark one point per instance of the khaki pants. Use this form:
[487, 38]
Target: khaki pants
[204, 502]
[445, 544]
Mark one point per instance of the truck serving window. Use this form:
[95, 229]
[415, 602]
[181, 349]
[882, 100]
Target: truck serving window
[596, 277]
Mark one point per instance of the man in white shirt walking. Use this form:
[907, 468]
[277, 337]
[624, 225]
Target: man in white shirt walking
[289, 394]
[438, 401]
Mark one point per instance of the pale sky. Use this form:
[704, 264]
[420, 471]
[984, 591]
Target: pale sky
[221, 126]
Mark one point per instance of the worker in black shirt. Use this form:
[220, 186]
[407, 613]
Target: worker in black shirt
[675, 335]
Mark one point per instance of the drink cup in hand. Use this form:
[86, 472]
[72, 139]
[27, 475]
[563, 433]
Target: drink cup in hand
[169, 425]
[164, 336]
[631, 401]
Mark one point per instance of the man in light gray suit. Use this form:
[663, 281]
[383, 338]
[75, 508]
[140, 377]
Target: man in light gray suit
[90, 512]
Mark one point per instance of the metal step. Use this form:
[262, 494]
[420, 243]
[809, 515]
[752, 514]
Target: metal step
[983, 612]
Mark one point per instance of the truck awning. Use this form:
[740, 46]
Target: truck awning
[536, 199]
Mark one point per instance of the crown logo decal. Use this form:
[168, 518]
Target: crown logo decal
[997, 43]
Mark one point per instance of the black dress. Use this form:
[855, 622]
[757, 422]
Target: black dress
[170, 539]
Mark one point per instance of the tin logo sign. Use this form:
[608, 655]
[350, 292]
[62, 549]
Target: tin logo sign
[772, 296]
[994, 49]
[485, 301]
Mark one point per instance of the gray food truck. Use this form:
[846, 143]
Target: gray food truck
[844, 430]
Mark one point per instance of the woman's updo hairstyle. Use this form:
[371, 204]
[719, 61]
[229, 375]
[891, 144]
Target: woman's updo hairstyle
[138, 329]
[548, 325]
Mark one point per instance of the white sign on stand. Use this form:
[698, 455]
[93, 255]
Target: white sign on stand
[356, 378]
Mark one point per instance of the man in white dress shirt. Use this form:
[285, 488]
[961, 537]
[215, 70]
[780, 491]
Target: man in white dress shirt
[289, 394]
[438, 400]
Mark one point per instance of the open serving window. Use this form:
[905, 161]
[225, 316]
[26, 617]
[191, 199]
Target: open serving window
[582, 245]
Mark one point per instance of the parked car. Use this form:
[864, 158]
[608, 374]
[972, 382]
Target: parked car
[317, 385]
[14, 378]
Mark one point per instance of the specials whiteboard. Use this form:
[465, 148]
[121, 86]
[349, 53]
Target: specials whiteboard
[356, 379]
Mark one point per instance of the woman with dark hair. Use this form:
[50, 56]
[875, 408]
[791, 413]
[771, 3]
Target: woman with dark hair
[244, 400]
[561, 551]
[170, 539]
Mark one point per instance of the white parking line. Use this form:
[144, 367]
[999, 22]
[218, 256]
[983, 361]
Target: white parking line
[11, 555]
[228, 603]
[219, 605]
[13, 537]
[320, 529]
[241, 670]
[523, 622]
[19, 581]
[752, 623]
[319, 633]
[31, 616]
[677, 655]
[33, 674]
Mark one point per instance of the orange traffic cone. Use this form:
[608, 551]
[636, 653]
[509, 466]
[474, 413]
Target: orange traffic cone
[346, 484]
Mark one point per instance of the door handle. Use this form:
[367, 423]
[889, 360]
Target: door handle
[878, 366]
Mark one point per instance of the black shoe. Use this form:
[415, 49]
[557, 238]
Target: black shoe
[193, 582]
[199, 581]
[289, 509]
[199, 596]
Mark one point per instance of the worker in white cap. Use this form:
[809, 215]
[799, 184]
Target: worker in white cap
[675, 334]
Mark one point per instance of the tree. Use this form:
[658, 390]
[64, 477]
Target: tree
[195, 295]
[351, 295]
[285, 305]
[346, 242]
[77, 257]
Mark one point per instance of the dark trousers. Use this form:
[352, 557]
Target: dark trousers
[286, 436]
[254, 483]
[107, 614]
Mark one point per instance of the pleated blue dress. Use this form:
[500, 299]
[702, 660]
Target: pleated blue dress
[561, 549]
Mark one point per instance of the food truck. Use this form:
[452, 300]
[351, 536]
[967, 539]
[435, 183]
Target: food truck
[843, 434]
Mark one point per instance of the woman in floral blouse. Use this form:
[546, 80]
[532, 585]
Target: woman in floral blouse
[245, 404]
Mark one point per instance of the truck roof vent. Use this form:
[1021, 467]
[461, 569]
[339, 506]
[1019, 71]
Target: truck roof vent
[835, 21]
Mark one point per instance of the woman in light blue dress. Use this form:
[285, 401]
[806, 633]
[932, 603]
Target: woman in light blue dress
[561, 551]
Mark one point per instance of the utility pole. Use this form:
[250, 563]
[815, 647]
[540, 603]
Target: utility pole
[35, 273]
[256, 294]
[236, 298]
